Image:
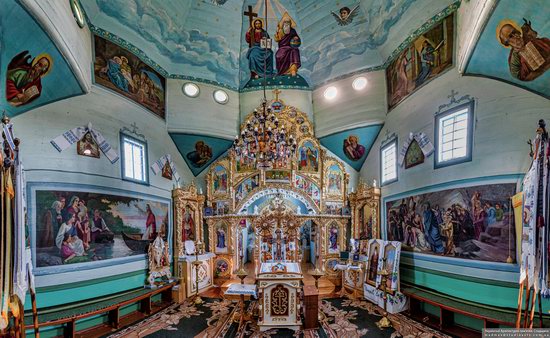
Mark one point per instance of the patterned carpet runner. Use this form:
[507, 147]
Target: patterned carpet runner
[339, 318]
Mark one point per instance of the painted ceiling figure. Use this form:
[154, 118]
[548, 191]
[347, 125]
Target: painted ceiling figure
[529, 55]
[24, 78]
[259, 55]
[288, 54]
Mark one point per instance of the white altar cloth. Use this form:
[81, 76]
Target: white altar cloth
[396, 303]
[191, 258]
[242, 289]
[290, 267]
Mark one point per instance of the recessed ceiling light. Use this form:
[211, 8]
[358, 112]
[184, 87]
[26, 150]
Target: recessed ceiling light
[359, 83]
[331, 93]
[77, 13]
[191, 89]
[221, 96]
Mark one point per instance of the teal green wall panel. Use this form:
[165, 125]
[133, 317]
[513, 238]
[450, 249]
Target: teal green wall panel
[92, 289]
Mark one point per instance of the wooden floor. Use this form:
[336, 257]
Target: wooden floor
[326, 287]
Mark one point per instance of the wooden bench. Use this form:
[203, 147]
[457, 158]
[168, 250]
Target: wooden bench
[68, 315]
[492, 317]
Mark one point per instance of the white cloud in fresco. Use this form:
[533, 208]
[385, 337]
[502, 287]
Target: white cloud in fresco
[320, 59]
[182, 46]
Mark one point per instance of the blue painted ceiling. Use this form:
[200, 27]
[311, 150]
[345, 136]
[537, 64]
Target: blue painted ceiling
[204, 39]
[492, 58]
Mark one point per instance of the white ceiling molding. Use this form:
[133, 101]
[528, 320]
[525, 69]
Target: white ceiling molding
[56, 19]
[473, 17]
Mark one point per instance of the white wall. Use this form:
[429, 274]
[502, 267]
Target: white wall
[301, 99]
[201, 115]
[74, 43]
[505, 118]
[351, 108]
[108, 113]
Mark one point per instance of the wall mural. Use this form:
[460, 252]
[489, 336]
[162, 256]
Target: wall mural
[352, 146]
[515, 46]
[275, 55]
[199, 151]
[424, 59]
[308, 157]
[335, 180]
[118, 69]
[175, 33]
[192, 40]
[79, 227]
[220, 181]
[469, 223]
[310, 188]
[34, 71]
[244, 188]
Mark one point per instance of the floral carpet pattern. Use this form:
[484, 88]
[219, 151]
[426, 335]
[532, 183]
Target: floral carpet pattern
[338, 318]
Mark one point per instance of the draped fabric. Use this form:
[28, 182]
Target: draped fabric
[423, 141]
[534, 244]
[74, 135]
[159, 164]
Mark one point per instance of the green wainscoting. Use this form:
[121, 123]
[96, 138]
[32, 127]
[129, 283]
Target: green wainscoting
[86, 290]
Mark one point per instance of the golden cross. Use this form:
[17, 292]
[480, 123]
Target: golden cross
[276, 92]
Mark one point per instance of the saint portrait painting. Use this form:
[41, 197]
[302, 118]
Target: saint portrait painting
[353, 150]
[87, 146]
[24, 77]
[201, 155]
[529, 55]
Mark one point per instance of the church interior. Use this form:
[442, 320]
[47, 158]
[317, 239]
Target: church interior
[274, 168]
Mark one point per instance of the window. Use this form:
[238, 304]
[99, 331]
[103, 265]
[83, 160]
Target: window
[453, 133]
[388, 162]
[134, 159]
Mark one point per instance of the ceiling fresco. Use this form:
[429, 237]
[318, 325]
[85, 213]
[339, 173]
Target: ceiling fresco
[515, 46]
[199, 151]
[352, 146]
[32, 70]
[206, 40]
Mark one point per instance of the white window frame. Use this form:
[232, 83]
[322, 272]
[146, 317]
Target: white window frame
[389, 144]
[124, 139]
[468, 109]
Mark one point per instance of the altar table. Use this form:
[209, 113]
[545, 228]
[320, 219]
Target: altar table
[280, 285]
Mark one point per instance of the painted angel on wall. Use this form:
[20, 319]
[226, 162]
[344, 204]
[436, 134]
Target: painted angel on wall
[346, 15]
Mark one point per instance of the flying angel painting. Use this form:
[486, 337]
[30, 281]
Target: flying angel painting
[346, 15]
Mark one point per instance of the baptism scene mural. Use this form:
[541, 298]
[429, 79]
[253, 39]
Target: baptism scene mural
[35, 73]
[515, 46]
[469, 223]
[77, 227]
[423, 59]
[118, 69]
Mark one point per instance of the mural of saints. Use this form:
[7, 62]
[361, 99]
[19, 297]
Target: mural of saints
[24, 77]
[372, 270]
[333, 239]
[259, 55]
[221, 245]
[353, 150]
[334, 180]
[308, 160]
[188, 225]
[529, 54]
[288, 54]
[220, 180]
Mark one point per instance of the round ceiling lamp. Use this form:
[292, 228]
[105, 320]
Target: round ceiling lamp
[331, 93]
[360, 83]
[77, 13]
[191, 89]
[221, 96]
